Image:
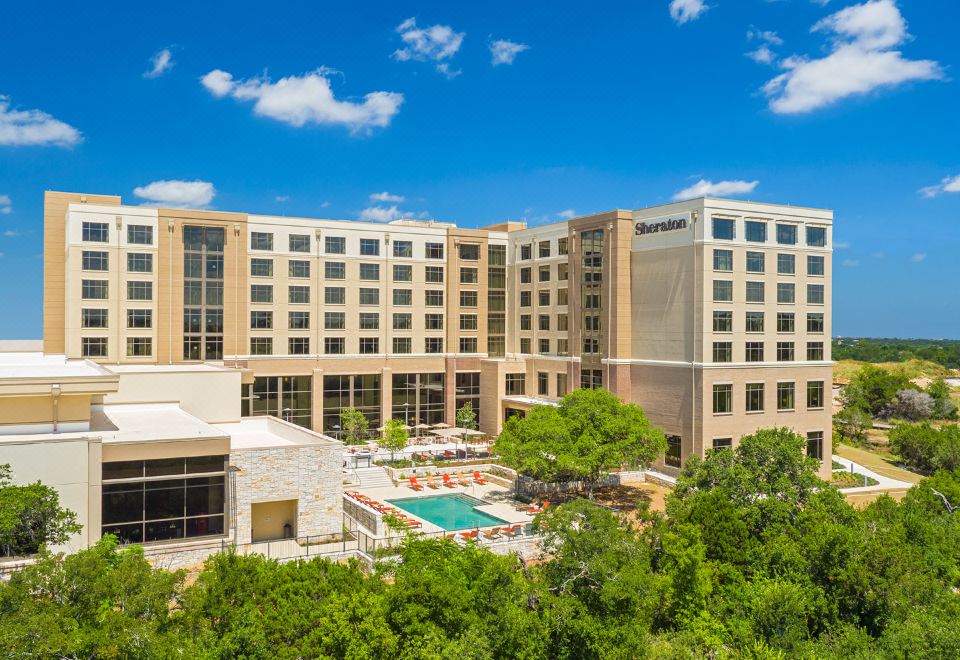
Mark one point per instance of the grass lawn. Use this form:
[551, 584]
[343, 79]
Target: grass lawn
[843, 370]
[880, 463]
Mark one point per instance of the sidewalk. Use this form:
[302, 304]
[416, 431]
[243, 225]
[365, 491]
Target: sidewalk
[883, 484]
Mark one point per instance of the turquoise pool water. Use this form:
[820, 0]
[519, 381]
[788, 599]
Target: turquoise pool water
[450, 512]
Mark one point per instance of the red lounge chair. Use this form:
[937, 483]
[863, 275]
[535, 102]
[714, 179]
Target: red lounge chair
[470, 535]
[449, 454]
[491, 534]
[448, 482]
[477, 479]
[539, 509]
[414, 484]
[513, 531]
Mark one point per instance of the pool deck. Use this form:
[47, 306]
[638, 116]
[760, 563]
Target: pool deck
[500, 501]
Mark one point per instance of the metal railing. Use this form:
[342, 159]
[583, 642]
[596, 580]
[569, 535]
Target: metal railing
[301, 547]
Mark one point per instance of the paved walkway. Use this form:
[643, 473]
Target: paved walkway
[884, 483]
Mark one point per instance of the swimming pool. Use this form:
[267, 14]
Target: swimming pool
[450, 512]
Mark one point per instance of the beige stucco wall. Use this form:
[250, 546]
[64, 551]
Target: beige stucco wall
[210, 395]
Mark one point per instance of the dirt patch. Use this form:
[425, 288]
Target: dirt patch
[626, 497]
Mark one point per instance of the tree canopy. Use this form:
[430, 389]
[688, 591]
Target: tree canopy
[353, 426]
[31, 517]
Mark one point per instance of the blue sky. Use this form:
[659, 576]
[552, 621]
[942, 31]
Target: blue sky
[500, 110]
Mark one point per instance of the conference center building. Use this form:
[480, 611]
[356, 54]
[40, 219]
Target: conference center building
[711, 314]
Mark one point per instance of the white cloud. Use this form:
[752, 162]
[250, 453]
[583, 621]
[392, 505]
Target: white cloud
[435, 43]
[6, 205]
[325, 205]
[918, 257]
[567, 214]
[764, 54]
[851, 263]
[840, 245]
[504, 52]
[766, 36]
[950, 184]
[384, 214]
[177, 194]
[10, 233]
[160, 63]
[306, 99]
[34, 128]
[706, 188]
[387, 197]
[860, 61]
[683, 11]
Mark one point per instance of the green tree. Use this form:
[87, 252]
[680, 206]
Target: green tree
[353, 426]
[872, 388]
[944, 406]
[31, 517]
[467, 417]
[852, 424]
[395, 436]
[588, 434]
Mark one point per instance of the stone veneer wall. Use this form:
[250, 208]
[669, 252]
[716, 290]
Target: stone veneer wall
[312, 475]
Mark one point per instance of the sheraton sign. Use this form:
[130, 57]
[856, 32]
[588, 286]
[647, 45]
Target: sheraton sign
[658, 225]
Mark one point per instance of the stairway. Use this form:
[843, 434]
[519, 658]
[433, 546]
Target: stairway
[372, 477]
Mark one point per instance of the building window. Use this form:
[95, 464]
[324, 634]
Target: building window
[755, 293]
[299, 242]
[139, 262]
[298, 268]
[722, 291]
[754, 321]
[563, 322]
[433, 298]
[402, 345]
[591, 345]
[261, 320]
[543, 274]
[369, 247]
[370, 272]
[817, 236]
[786, 264]
[497, 255]
[369, 321]
[362, 392]
[786, 293]
[298, 320]
[164, 499]
[722, 443]
[335, 270]
[139, 346]
[433, 345]
[139, 318]
[96, 232]
[543, 383]
[468, 321]
[785, 322]
[723, 260]
[434, 274]
[137, 290]
[469, 252]
[785, 351]
[814, 294]
[543, 249]
[93, 346]
[497, 278]
[96, 261]
[756, 232]
[786, 234]
[334, 346]
[591, 379]
[261, 346]
[563, 270]
[298, 295]
[562, 246]
[525, 346]
[468, 344]
[334, 320]
[815, 351]
[525, 252]
[419, 398]
[785, 397]
[815, 265]
[496, 301]
[334, 295]
[525, 298]
[754, 351]
[334, 245]
[516, 384]
[755, 397]
[433, 321]
[261, 240]
[261, 293]
[672, 455]
[723, 321]
[261, 267]
[468, 298]
[722, 351]
[815, 394]
[724, 229]
[722, 399]
[815, 324]
[369, 296]
[369, 345]
[543, 322]
[403, 249]
[402, 273]
[815, 445]
[93, 318]
[403, 297]
[543, 298]
[94, 289]
[591, 323]
[434, 250]
[526, 275]
[756, 262]
[403, 321]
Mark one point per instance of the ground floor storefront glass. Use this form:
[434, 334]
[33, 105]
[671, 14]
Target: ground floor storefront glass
[418, 398]
[362, 392]
[288, 397]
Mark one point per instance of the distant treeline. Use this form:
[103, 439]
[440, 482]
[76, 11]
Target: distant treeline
[945, 352]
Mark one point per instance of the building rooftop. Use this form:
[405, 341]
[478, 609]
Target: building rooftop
[149, 422]
[266, 432]
[36, 365]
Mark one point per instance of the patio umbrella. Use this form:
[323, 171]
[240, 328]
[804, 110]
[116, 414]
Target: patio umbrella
[441, 425]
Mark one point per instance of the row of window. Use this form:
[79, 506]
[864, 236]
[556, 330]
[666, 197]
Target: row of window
[99, 318]
[755, 322]
[100, 290]
[370, 272]
[543, 249]
[755, 397]
[367, 346]
[96, 347]
[753, 351]
[756, 262]
[369, 247]
[337, 295]
[264, 320]
[543, 299]
[543, 346]
[543, 273]
[755, 231]
[814, 445]
[755, 292]
[99, 232]
[543, 322]
[137, 262]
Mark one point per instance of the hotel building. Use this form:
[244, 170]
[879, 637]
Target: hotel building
[711, 314]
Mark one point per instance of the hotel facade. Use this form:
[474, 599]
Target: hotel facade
[711, 314]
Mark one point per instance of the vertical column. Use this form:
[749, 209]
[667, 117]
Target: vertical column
[386, 395]
[316, 401]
